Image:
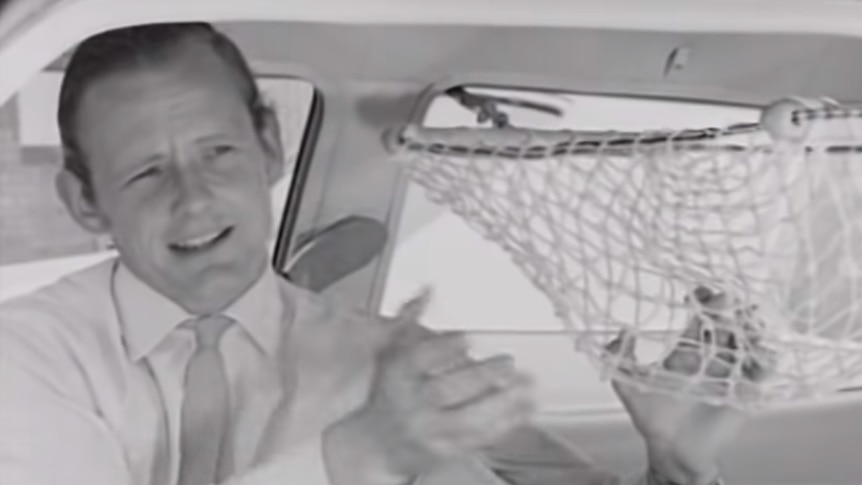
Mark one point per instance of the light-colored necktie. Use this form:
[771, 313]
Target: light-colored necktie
[204, 434]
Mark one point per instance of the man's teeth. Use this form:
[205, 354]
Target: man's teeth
[199, 241]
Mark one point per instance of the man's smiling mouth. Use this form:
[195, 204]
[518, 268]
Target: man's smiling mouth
[202, 242]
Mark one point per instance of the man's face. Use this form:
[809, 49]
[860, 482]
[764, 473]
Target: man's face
[181, 177]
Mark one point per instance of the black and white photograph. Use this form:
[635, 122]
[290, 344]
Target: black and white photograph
[402, 242]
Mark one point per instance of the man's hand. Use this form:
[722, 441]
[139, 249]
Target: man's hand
[685, 437]
[430, 402]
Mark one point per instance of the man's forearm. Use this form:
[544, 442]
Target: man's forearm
[654, 477]
[666, 467]
[350, 459]
[303, 464]
[532, 456]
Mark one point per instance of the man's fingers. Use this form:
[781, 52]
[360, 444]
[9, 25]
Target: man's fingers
[485, 420]
[759, 364]
[623, 345]
[510, 401]
[414, 308]
[411, 311]
[405, 323]
[685, 359]
[435, 354]
[720, 335]
[470, 382]
[408, 335]
[721, 343]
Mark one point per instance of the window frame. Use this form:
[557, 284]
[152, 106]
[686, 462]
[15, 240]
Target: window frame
[302, 167]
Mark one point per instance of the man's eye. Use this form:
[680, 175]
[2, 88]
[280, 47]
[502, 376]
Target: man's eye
[144, 174]
[218, 151]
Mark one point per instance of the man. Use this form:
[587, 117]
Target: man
[188, 361]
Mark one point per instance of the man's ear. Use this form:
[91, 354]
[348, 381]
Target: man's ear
[80, 202]
[270, 137]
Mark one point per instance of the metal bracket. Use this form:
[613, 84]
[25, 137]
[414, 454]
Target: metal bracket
[487, 107]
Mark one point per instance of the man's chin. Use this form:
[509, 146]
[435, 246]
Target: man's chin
[214, 291]
[207, 299]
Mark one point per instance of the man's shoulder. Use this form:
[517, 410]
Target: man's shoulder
[75, 292]
[73, 309]
[58, 340]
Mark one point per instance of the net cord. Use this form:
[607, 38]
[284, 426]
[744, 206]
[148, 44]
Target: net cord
[544, 144]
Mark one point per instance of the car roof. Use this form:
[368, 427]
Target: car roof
[798, 44]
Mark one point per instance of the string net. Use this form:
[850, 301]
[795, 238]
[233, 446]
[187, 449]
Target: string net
[731, 256]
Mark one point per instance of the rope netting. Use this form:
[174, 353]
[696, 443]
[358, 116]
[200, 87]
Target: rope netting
[733, 256]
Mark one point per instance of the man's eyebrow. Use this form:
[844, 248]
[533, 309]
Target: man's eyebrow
[137, 163]
[212, 138]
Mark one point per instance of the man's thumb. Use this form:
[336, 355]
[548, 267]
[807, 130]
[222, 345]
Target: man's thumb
[413, 309]
[405, 329]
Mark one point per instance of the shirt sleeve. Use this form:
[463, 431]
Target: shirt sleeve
[531, 456]
[302, 464]
[639, 478]
[48, 434]
[645, 478]
[305, 464]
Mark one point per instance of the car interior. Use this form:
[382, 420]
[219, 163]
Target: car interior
[350, 223]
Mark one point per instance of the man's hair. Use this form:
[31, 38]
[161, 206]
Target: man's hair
[136, 47]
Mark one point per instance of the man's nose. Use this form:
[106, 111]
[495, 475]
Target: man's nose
[193, 194]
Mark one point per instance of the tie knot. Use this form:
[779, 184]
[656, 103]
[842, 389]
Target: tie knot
[208, 330]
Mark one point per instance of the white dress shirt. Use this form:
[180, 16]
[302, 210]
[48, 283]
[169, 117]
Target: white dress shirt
[91, 376]
[91, 386]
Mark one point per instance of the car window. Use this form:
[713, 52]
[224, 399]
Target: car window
[477, 286]
[478, 289]
[39, 242]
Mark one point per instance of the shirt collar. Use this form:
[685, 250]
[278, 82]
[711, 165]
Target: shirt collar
[148, 317]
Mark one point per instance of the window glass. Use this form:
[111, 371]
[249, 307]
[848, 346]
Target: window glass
[477, 286]
[478, 289]
[39, 242]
